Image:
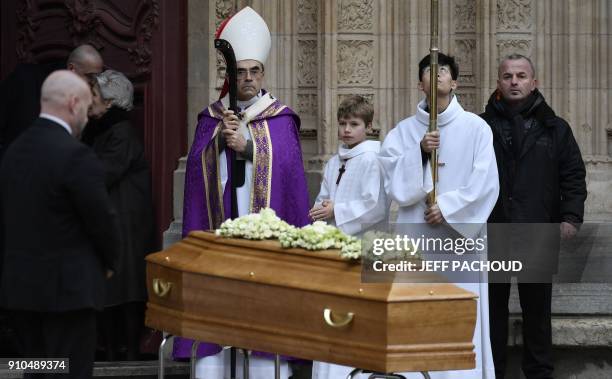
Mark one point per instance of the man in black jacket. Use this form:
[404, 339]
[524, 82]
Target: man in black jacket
[542, 180]
[61, 230]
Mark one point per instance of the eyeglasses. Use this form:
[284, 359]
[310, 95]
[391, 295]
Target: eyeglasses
[254, 72]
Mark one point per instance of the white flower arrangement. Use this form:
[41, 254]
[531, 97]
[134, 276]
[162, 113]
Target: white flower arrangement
[255, 226]
[267, 225]
[321, 236]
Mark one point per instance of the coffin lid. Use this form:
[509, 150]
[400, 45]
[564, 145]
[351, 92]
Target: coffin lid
[266, 262]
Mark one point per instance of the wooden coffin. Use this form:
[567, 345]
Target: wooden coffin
[256, 295]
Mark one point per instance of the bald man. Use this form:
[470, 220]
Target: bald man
[20, 91]
[85, 61]
[60, 228]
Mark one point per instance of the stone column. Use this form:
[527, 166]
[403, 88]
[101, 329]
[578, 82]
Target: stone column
[198, 78]
[589, 88]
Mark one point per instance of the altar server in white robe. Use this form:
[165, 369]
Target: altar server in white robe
[352, 194]
[467, 190]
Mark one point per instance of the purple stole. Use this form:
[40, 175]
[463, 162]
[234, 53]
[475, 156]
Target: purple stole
[262, 165]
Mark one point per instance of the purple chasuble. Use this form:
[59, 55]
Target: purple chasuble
[278, 180]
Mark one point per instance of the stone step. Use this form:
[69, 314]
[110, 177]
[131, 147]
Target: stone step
[570, 331]
[582, 347]
[569, 363]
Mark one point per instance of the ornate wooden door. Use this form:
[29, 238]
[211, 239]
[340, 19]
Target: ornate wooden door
[144, 39]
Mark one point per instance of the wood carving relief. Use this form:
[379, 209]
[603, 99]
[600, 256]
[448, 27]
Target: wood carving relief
[511, 46]
[355, 62]
[368, 96]
[468, 101]
[83, 22]
[307, 105]
[99, 23]
[141, 54]
[307, 16]
[223, 9]
[27, 27]
[465, 50]
[355, 15]
[307, 63]
[465, 15]
[515, 15]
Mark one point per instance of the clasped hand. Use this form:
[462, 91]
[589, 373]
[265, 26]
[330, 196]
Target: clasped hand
[233, 138]
[321, 212]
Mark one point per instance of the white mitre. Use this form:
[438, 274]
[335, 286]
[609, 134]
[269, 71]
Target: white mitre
[248, 34]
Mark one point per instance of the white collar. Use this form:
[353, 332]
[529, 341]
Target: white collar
[259, 105]
[453, 110]
[365, 146]
[243, 105]
[57, 120]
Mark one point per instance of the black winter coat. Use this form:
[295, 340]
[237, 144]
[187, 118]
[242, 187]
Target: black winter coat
[546, 184]
[542, 183]
[128, 180]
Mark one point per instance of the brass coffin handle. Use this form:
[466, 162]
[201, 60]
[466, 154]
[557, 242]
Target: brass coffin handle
[160, 287]
[327, 315]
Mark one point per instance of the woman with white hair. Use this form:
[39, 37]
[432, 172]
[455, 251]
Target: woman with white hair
[128, 179]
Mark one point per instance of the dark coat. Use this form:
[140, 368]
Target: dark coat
[128, 179]
[61, 228]
[20, 105]
[20, 99]
[542, 183]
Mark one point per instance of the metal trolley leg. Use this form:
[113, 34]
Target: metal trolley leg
[276, 366]
[376, 375]
[354, 373]
[193, 360]
[160, 358]
[232, 362]
[245, 364]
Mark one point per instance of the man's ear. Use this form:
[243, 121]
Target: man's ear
[369, 127]
[420, 86]
[108, 103]
[73, 101]
[453, 85]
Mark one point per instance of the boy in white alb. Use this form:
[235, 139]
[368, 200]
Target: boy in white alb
[352, 194]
